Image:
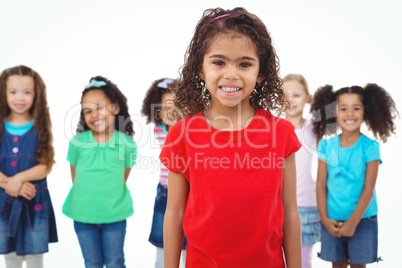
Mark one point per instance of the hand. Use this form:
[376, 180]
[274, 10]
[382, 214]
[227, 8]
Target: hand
[333, 227]
[347, 229]
[13, 185]
[28, 190]
[3, 178]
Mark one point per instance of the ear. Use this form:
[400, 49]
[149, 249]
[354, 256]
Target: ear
[260, 78]
[309, 98]
[201, 74]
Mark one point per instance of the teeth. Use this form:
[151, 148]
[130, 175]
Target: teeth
[350, 121]
[98, 122]
[230, 89]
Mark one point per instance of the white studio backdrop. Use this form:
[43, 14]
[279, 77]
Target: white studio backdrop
[133, 43]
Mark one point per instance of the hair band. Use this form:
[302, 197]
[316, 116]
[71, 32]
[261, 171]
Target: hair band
[214, 19]
[165, 83]
[95, 83]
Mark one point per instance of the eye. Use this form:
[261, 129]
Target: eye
[28, 92]
[87, 112]
[245, 64]
[101, 107]
[342, 109]
[219, 62]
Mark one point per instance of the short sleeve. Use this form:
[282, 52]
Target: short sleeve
[131, 152]
[173, 154]
[293, 143]
[322, 150]
[373, 152]
[72, 154]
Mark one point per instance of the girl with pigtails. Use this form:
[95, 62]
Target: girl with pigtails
[347, 170]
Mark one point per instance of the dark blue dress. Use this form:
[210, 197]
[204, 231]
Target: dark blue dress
[26, 226]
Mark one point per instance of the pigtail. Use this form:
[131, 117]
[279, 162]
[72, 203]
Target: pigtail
[379, 111]
[323, 109]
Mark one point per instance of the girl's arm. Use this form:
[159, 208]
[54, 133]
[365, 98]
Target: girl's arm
[291, 219]
[173, 234]
[28, 190]
[3, 180]
[126, 173]
[348, 227]
[15, 182]
[322, 175]
[72, 169]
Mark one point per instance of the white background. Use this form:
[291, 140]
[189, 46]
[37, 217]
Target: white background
[330, 42]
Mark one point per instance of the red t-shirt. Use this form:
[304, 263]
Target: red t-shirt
[234, 213]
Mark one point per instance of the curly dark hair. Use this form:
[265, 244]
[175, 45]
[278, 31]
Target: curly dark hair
[152, 100]
[123, 122]
[191, 94]
[379, 110]
[39, 111]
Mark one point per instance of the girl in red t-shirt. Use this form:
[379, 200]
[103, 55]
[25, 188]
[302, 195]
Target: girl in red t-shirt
[232, 179]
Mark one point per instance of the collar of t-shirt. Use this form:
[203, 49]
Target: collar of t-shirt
[18, 130]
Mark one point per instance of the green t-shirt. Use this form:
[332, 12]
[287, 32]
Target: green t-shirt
[99, 193]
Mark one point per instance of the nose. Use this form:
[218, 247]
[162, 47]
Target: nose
[231, 73]
[349, 112]
[20, 96]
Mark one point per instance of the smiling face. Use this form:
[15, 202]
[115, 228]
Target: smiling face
[350, 112]
[230, 69]
[99, 113]
[167, 109]
[298, 97]
[20, 94]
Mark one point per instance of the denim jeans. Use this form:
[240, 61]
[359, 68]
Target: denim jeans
[102, 243]
[361, 248]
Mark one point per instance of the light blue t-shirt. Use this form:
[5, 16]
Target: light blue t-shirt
[346, 175]
[18, 130]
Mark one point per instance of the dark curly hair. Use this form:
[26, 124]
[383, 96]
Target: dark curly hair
[191, 94]
[379, 110]
[39, 111]
[123, 122]
[152, 100]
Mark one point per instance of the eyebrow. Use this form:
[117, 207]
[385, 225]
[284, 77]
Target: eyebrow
[220, 56]
[353, 105]
[91, 106]
[13, 88]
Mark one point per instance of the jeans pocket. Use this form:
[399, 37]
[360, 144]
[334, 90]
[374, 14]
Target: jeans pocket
[40, 219]
[372, 218]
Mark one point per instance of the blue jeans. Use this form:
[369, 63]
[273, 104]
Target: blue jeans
[156, 235]
[102, 243]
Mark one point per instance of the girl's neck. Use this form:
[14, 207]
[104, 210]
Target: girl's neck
[297, 121]
[348, 139]
[103, 137]
[229, 118]
[18, 119]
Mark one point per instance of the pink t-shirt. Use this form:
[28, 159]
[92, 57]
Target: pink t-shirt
[305, 157]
